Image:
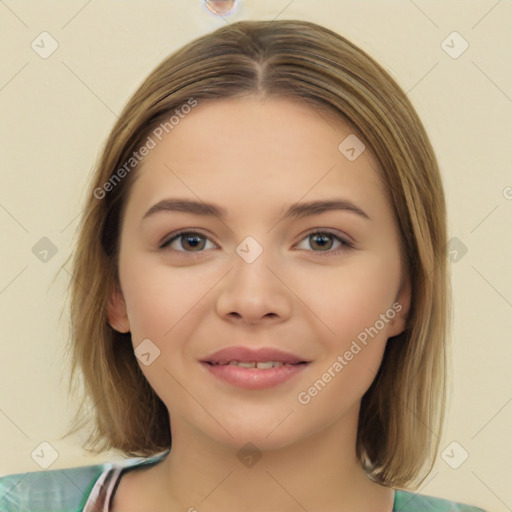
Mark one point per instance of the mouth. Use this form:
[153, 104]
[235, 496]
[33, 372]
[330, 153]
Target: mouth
[254, 369]
[260, 365]
[248, 357]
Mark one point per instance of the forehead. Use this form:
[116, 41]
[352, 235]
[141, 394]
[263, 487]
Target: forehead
[248, 150]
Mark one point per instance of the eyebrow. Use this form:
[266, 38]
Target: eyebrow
[295, 211]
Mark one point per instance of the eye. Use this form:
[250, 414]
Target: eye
[195, 242]
[185, 240]
[321, 239]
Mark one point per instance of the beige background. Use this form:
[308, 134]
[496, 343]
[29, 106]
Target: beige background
[57, 112]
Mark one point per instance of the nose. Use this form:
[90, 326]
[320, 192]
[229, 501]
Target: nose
[254, 292]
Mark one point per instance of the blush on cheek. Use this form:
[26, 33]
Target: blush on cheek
[338, 386]
[365, 290]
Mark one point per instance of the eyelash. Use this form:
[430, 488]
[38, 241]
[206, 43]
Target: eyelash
[345, 244]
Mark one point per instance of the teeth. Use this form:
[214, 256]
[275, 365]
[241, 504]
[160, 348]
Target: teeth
[261, 366]
[243, 365]
[269, 364]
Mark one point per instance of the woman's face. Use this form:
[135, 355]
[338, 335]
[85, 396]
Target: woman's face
[255, 274]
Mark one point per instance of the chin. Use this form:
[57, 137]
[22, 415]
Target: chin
[250, 439]
[262, 434]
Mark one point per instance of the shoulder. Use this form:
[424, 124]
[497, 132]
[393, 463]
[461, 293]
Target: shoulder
[406, 501]
[57, 490]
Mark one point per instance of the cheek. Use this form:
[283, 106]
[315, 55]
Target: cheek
[353, 298]
[158, 298]
[359, 313]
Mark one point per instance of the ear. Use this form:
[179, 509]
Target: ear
[116, 310]
[401, 306]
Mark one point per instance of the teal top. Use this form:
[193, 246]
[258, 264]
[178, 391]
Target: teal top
[90, 488]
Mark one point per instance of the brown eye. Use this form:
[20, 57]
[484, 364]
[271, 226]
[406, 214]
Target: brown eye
[323, 242]
[186, 241]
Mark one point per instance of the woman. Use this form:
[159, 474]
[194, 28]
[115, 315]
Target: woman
[260, 278]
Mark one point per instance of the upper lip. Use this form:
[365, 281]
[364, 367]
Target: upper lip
[248, 355]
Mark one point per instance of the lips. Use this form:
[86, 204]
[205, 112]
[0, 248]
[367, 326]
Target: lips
[252, 355]
[254, 368]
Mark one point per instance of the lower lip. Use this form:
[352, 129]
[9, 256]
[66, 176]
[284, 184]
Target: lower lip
[254, 378]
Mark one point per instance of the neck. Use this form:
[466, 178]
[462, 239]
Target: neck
[320, 472]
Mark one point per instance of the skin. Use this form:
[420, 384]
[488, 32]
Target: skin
[255, 157]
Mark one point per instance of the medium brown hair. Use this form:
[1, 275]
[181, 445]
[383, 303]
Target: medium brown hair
[401, 414]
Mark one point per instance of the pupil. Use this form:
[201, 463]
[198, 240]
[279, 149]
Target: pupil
[320, 240]
[322, 237]
[194, 239]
